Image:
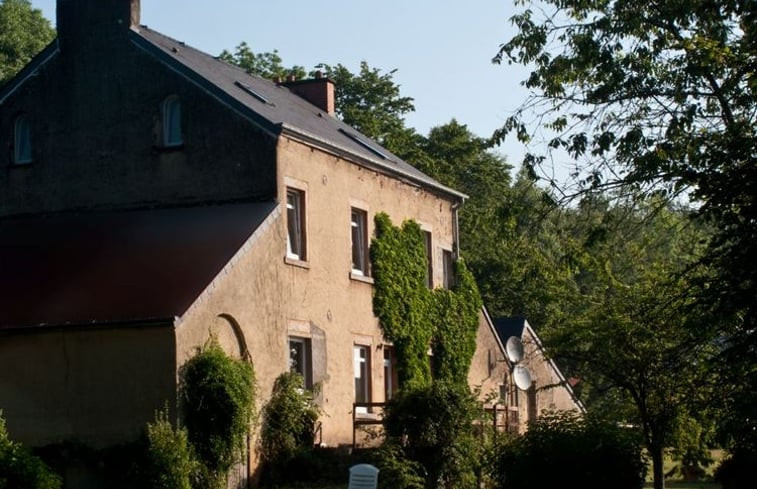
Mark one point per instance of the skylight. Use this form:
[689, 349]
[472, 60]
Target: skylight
[250, 91]
[365, 144]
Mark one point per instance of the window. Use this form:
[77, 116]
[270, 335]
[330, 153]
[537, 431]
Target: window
[429, 260]
[448, 265]
[359, 223]
[300, 359]
[22, 147]
[296, 224]
[171, 112]
[362, 367]
[391, 381]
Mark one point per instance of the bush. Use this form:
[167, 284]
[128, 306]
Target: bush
[397, 471]
[288, 424]
[738, 470]
[170, 462]
[217, 394]
[565, 450]
[434, 426]
[19, 469]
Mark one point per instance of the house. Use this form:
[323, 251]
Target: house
[152, 195]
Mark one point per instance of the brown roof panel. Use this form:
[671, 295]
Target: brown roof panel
[117, 266]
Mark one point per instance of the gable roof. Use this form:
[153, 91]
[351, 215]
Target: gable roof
[517, 326]
[277, 110]
[117, 266]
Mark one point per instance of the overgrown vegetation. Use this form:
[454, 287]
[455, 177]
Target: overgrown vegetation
[19, 469]
[170, 462]
[289, 420]
[434, 427]
[413, 317]
[218, 406]
[566, 450]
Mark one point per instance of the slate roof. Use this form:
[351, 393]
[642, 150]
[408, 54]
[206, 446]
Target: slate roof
[117, 266]
[507, 327]
[276, 109]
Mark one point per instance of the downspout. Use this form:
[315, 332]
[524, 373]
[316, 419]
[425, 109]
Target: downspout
[456, 229]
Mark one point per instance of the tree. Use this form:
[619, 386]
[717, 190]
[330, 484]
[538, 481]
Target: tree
[370, 101]
[266, 65]
[636, 336]
[658, 97]
[24, 32]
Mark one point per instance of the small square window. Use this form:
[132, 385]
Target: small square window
[359, 225]
[296, 243]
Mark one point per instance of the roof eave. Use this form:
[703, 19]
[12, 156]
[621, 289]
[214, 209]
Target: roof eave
[29, 70]
[372, 163]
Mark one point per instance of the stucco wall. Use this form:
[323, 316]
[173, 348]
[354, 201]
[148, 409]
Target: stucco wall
[273, 298]
[96, 386]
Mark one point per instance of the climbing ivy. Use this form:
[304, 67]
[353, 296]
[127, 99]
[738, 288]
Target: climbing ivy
[218, 405]
[415, 318]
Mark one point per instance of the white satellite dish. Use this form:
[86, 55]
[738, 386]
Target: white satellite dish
[522, 377]
[514, 349]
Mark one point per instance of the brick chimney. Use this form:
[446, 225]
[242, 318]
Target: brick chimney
[84, 23]
[319, 91]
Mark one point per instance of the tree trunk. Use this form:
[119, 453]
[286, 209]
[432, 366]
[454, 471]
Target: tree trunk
[658, 474]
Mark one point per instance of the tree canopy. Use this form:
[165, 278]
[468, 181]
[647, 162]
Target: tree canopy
[24, 32]
[657, 98]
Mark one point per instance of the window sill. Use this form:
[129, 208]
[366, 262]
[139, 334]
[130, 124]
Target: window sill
[297, 263]
[359, 277]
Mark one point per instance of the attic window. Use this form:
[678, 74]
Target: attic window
[365, 144]
[171, 114]
[22, 147]
[250, 91]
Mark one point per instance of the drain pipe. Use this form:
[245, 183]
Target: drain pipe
[456, 229]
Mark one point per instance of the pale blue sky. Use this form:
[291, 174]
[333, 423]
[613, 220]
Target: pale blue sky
[441, 49]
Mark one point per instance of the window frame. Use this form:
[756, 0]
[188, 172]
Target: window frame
[362, 365]
[22, 141]
[359, 249]
[448, 269]
[171, 122]
[306, 369]
[296, 223]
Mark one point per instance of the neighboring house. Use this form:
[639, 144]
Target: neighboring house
[152, 195]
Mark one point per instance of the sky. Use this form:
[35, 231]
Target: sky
[441, 49]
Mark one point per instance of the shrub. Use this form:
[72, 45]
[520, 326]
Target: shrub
[575, 451]
[738, 470]
[217, 398]
[434, 426]
[288, 424]
[398, 471]
[19, 469]
[170, 462]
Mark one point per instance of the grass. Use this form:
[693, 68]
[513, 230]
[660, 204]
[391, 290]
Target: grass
[717, 456]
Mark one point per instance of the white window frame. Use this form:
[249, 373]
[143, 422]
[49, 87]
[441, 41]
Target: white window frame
[359, 241]
[22, 141]
[362, 373]
[172, 122]
[296, 222]
[306, 367]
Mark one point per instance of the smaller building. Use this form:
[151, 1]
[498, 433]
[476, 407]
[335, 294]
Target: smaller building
[511, 396]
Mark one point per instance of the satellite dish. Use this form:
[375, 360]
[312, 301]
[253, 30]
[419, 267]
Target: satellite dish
[514, 349]
[522, 377]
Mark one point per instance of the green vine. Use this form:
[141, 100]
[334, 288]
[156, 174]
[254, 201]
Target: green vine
[218, 405]
[415, 318]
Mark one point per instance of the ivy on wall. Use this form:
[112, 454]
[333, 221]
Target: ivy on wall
[413, 317]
